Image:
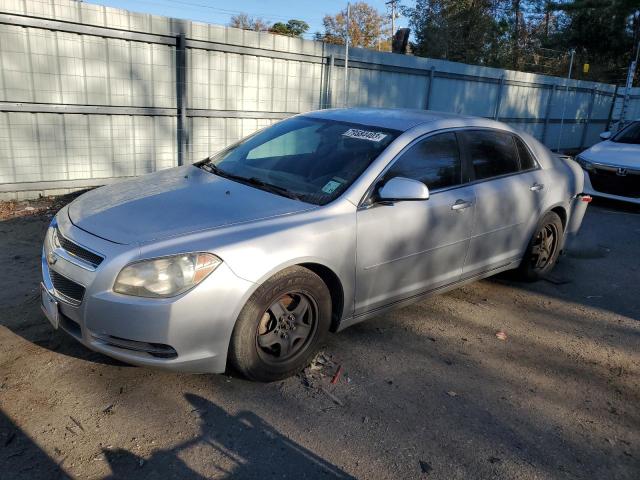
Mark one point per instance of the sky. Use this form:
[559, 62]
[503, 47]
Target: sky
[220, 11]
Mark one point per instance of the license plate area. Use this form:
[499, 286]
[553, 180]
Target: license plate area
[49, 306]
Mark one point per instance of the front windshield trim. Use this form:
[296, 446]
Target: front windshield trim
[341, 164]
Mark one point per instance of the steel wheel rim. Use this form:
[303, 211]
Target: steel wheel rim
[544, 246]
[286, 327]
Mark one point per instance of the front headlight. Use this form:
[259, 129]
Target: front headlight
[584, 163]
[51, 237]
[166, 276]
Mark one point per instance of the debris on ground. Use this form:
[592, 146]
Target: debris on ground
[501, 335]
[9, 439]
[321, 367]
[494, 459]
[336, 376]
[78, 424]
[451, 393]
[425, 467]
[335, 399]
[43, 205]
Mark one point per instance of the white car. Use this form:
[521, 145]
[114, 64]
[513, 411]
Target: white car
[613, 166]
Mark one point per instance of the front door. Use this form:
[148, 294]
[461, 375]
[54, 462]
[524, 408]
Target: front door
[409, 247]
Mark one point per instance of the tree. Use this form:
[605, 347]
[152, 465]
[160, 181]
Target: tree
[470, 31]
[530, 35]
[293, 28]
[605, 32]
[366, 27]
[247, 22]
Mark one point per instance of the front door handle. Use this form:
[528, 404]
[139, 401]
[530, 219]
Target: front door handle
[536, 187]
[461, 205]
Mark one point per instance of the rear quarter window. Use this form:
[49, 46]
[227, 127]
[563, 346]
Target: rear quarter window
[526, 158]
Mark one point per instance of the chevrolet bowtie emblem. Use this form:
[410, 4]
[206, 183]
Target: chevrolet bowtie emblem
[52, 258]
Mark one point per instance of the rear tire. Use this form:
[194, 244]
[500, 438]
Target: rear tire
[281, 326]
[543, 249]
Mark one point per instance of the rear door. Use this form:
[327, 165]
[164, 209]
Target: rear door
[509, 190]
[409, 247]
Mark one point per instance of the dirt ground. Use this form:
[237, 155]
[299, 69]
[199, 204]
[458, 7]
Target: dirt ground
[428, 391]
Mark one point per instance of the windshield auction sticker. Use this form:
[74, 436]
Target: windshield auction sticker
[331, 186]
[364, 135]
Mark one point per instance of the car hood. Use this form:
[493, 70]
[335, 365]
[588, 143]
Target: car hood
[614, 153]
[173, 202]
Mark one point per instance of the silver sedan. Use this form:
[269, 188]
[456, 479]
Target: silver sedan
[250, 257]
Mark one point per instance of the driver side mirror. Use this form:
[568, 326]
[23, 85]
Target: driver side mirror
[400, 188]
[605, 135]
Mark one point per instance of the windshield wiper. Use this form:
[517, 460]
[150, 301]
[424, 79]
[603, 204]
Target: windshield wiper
[271, 188]
[253, 181]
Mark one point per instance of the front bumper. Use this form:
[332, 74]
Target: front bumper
[189, 333]
[589, 188]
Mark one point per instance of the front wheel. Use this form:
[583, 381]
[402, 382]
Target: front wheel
[543, 249]
[281, 326]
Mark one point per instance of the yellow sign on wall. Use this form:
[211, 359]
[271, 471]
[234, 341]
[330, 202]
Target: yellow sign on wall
[585, 68]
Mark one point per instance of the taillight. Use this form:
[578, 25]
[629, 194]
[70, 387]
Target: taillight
[585, 198]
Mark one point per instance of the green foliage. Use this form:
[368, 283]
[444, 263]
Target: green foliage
[293, 28]
[530, 35]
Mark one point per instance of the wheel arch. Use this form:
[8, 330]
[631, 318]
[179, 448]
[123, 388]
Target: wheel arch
[561, 211]
[326, 272]
[333, 283]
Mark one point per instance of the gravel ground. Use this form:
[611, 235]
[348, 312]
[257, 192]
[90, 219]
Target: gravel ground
[428, 391]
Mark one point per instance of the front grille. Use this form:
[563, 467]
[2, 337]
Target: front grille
[610, 182]
[70, 290]
[78, 251]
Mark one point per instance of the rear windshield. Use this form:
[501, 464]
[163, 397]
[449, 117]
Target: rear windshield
[313, 160]
[631, 134]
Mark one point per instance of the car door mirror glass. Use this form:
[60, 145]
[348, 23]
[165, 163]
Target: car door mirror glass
[605, 135]
[400, 188]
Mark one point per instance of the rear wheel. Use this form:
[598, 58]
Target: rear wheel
[543, 249]
[281, 326]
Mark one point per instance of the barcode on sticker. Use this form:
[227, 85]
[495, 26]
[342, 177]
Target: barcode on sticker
[364, 135]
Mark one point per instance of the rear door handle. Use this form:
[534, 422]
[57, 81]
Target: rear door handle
[461, 205]
[536, 187]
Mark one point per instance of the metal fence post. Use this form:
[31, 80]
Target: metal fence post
[613, 105]
[181, 91]
[547, 113]
[430, 87]
[499, 98]
[329, 85]
[583, 139]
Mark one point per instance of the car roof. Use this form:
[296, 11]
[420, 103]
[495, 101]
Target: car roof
[401, 119]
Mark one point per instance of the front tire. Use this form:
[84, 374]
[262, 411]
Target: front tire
[543, 249]
[281, 326]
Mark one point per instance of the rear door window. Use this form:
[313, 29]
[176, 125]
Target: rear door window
[492, 153]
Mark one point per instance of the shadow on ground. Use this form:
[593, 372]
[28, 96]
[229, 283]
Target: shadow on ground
[254, 449]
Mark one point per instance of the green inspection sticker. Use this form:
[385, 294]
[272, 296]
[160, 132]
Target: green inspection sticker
[331, 186]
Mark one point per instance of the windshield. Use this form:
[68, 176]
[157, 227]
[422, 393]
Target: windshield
[631, 134]
[313, 160]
